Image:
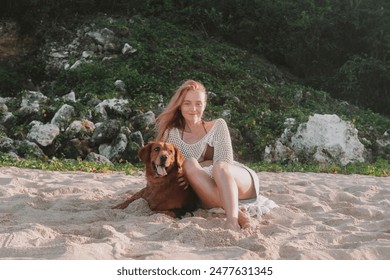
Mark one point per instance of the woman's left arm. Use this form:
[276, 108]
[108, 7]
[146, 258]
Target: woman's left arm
[223, 150]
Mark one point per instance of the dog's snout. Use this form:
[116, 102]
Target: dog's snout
[163, 159]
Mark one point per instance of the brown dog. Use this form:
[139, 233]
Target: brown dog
[163, 163]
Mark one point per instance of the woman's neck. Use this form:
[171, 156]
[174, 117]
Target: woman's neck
[193, 126]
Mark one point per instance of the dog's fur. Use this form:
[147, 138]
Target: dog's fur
[163, 165]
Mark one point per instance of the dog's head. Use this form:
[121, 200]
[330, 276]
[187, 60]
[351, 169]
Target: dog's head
[161, 157]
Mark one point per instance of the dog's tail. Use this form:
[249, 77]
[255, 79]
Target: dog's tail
[126, 203]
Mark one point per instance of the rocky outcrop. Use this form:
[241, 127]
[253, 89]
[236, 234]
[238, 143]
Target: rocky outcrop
[114, 133]
[382, 146]
[324, 139]
[88, 45]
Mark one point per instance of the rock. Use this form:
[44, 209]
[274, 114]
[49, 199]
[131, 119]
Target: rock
[144, 121]
[324, 139]
[80, 128]
[27, 149]
[71, 96]
[32, 100]
[43, 135]
[105, 38]
[112, 107]
[145, 124]
[13, 156]
[131, 153]
[6, 144]
[63, 116]
[137, 138]
[127, 49]
[4, 100]
[59, 54]
[383, 145]
[278, 152]
[331, 139]
[78, 148]
[87, 54]
[3, 108]
[121, 86]
[106, 132]
[114, 150]
[97, 37]
[97, 158]
[77, 64]
[8, 120]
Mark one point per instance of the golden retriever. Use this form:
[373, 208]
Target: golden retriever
[163, 165]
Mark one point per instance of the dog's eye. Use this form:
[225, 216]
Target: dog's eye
[171, 152]
[157, 149]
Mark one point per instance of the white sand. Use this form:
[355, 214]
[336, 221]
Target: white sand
[67, 215]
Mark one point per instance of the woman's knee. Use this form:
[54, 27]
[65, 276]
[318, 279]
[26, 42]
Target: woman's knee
[190, 165]
[221, 168]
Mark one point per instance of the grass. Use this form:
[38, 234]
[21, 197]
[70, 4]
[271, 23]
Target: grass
[381, 168]
[56, 164]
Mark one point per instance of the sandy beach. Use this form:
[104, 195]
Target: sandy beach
[67, 215]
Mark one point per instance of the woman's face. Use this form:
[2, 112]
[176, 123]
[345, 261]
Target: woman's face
[193, 106]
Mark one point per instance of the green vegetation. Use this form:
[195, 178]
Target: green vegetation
[55, 164]
[380, 168]
[341, 46]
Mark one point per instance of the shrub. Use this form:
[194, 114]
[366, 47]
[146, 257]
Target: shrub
[364, 82]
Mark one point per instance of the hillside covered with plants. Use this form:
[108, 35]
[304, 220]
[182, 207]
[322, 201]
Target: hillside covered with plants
[257, 76]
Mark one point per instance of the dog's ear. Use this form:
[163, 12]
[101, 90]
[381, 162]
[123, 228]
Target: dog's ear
[179, 157]
[144, 153]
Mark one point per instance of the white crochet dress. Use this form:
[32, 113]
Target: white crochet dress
[218, 137]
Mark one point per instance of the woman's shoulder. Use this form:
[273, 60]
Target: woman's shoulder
[216, 125]
[170, 134]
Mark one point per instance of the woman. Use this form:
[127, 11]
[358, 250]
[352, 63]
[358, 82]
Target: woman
[209, 167]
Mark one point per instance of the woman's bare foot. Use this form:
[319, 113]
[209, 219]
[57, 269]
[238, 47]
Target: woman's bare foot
[243, 219]
[233, 226]
[243, 222]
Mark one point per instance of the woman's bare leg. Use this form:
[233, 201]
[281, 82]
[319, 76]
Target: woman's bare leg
[228, 190]
[230, 184]
[203, 185]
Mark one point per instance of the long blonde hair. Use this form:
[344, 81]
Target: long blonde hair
[171, 117]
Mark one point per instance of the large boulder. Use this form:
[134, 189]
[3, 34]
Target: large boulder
[114, 150]
[30, 106]
[106, 132]
[332, 140]
[112, 108]
[323, 139]
[43, 135]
